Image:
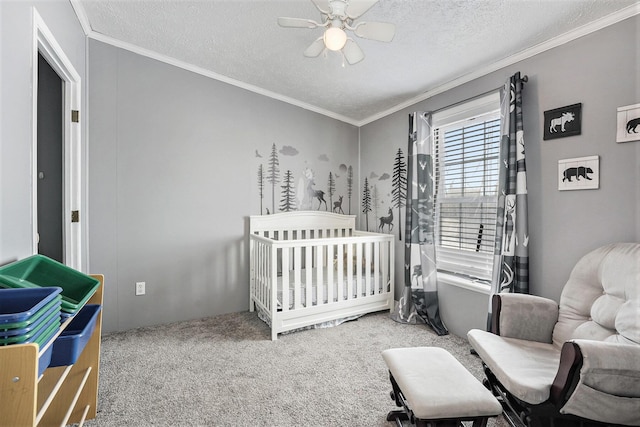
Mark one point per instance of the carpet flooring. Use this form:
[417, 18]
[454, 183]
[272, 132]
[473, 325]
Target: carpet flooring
[225, 371]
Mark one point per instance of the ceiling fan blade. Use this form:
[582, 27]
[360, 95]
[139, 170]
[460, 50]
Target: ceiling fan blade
[297, 23]
[322, 6]
[352, 52]
[380, 31]
[357, 8]
[315, 48]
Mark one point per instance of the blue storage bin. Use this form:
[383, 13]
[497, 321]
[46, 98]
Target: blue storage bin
[40, 334]
[44, 360]
[19, 305]
[43, 315]
[70, 343]
[64, 316]
[56, 302]
[42, 340]
[46, 336]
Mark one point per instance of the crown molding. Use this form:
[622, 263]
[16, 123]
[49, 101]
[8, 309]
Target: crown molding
[560, 40]
[82, 16]
[224, 79]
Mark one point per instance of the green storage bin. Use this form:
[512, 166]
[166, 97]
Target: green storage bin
[41, 271]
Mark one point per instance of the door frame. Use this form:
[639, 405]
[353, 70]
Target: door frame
[45, 43]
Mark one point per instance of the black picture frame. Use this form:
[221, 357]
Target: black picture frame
[563, 122]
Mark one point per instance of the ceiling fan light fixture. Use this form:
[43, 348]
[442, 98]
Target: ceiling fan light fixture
[335, 38]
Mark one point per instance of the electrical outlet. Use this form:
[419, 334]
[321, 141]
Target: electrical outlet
[140, 288]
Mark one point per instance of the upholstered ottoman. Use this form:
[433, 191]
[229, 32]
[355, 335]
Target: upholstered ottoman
[436, 390]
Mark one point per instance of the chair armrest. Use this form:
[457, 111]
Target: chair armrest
[523, 316]
[599, 380]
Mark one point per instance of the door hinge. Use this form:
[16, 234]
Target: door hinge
[75, 216]
[75, 116]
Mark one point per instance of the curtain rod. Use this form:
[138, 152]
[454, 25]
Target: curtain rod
[523, 79]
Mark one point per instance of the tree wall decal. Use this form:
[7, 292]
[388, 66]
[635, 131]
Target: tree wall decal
[399, 187]
[273, 176]
[261, 185]
[349, 185]
[366, 202]
[375, 200]
[332, 188]
[287, 203]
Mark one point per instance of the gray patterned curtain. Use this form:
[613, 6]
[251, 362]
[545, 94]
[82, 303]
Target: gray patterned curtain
[420, 292]
[511, 260]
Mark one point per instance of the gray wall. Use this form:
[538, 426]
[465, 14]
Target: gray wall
[16, 36]
[173, 164]
[600, 70]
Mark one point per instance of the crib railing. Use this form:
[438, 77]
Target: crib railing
[355, 266]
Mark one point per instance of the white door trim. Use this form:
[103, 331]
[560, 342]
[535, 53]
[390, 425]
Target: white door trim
[48, 47]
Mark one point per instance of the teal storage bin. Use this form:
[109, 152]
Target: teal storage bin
[41, 271]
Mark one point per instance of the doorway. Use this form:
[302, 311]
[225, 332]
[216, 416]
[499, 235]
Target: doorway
[50, 162]
[58, 157]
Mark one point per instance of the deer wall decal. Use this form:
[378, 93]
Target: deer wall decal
[337, 206]
[386, 220]
[316, 194]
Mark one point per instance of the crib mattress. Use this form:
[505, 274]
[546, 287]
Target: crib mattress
[340, 291]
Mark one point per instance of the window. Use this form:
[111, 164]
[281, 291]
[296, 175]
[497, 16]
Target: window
[466, 154]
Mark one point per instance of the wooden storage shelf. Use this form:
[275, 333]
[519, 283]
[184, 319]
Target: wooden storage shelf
[62, 395]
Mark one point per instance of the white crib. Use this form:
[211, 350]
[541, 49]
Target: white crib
[312, 267]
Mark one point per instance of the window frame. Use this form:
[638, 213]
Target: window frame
[484, 106]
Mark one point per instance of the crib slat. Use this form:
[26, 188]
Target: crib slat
[349, 271]
[320, 265]
[296, 277]
[388, 272]
[340, 282]
[270, 268]
[390, 265]
[263, 295]
[376, 268]
[285, 279]
[358, 271]
[330, 269]
[366, 269]
[260, 265]
[270, 291]
[309, 275]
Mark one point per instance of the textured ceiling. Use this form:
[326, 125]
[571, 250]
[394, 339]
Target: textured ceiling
[436, 42]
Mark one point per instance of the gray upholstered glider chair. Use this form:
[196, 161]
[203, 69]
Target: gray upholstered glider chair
[576, 363]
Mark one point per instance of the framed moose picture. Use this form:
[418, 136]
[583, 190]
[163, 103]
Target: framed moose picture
[562, 122]
[628, 123]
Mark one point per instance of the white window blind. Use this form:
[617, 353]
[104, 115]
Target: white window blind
[466, 152]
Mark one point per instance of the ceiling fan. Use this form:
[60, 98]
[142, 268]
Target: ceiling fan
[338, 16]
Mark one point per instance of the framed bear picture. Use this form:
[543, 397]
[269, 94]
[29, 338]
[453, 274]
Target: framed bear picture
[563, 122]
[628, 123]
[581, 173]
